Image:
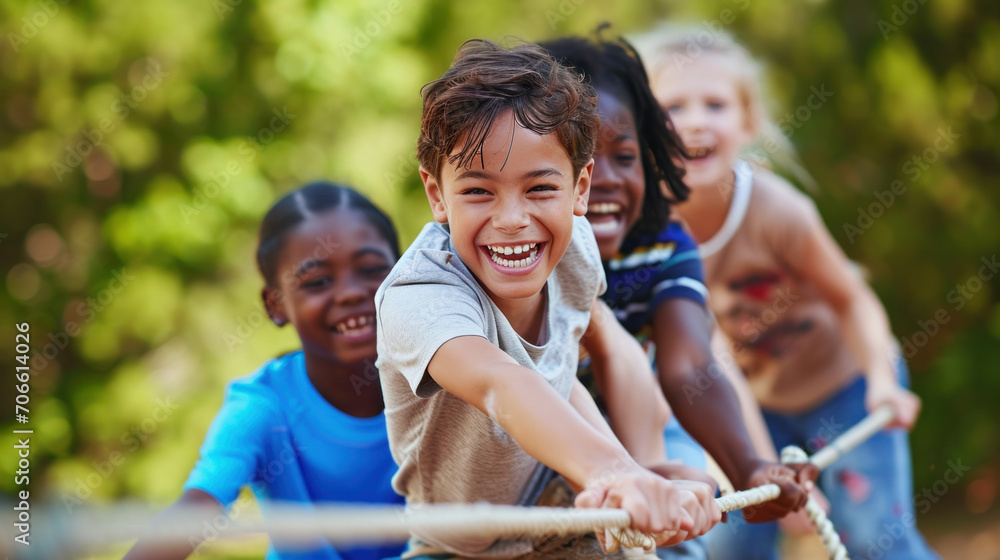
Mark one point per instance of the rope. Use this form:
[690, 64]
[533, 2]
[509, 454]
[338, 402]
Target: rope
[825, 457]
[303, 524]
[831, 540]
[853, 437]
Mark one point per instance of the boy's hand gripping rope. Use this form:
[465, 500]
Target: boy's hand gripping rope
[300, 524]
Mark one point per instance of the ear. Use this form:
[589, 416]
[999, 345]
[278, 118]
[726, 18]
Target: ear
[273, 304]
[582, 191]
[432, 188]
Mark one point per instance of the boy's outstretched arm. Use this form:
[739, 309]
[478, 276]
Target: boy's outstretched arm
[636, 408]
[707, 406]
[193, 498]
[552, 431]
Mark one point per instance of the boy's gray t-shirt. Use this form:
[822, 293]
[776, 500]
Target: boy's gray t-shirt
[447, 450]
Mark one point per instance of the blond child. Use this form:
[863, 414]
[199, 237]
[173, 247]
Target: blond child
[810, 336]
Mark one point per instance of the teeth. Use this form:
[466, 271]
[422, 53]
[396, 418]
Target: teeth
[604, 208]
[699, 152]
[516, 263]
[601, 228]
[355, 325]
[511, 249]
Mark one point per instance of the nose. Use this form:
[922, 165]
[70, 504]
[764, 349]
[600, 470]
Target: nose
[350, 290]
[605, 177]
[511, 215]
[693, 119]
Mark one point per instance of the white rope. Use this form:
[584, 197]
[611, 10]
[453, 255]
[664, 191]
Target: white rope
[831, 540]
[825, 457]
[853, 437]
[303, 524]
[747, 498]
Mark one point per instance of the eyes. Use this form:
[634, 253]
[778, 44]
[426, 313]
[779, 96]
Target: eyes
[626, 158]
[321, 280]
[317, 283]
[476, 191]
[678, 108]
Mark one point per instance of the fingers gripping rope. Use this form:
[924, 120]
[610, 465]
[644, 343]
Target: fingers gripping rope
[791, 454]
[295, 524]
[629, 538]
[831, 540]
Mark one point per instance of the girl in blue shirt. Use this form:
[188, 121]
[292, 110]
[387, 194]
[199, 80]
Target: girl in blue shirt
[307, 426]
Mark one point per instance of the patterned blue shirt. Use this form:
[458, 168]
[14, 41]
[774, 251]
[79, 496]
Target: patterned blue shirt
[650, 269]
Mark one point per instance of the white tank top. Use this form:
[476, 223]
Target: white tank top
[737, 210]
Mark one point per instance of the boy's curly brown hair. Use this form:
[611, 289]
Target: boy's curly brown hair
[484, 81]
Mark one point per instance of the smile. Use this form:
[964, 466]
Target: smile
[355, 327]
[514, 256]
[604, 217]
[699, 153]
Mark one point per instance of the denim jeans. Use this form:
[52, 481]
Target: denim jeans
[870, 488]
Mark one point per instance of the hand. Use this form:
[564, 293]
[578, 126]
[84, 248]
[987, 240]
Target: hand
[797, 522]
[795, 481]
[905, 405]
[698, 499]
[655, 504]
[676, 470]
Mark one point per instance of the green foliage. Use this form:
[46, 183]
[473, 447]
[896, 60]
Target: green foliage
[141, 142]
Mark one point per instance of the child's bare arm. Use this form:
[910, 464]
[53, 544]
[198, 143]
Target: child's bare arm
[693, 383]
[193, 498]
[697, 488]
[795, 523]
[816, 257]
[549, 429]
[752, 417]
[636, 408]
[544, 424]
[581, 401]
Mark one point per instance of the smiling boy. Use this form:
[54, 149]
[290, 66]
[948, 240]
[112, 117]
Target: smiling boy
[480, 321]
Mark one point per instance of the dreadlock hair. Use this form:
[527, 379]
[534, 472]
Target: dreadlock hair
[615, 66]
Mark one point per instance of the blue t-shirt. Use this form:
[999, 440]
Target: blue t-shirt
[278, 434]
[650, 269]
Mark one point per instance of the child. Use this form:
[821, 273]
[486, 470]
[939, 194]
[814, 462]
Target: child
[808, 333]
[653, 270]
[479, 323]
[308, 426]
